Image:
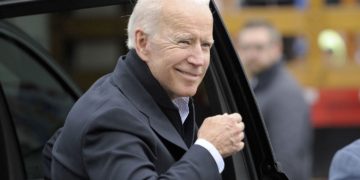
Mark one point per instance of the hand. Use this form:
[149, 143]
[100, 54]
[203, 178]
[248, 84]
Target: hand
[225, 132]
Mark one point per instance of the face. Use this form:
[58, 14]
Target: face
[256, 50]
[178, 54]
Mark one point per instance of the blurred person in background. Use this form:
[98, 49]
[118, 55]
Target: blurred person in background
[279, 97]
[345, 165]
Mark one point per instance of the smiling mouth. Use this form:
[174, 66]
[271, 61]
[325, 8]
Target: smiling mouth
[188, 75]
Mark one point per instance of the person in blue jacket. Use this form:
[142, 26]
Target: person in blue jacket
[345, 164]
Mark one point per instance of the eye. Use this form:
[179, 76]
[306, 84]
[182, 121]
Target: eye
[184, 42]
[206, 45]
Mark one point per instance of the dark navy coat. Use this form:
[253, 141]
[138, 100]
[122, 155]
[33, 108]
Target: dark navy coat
[118, 130]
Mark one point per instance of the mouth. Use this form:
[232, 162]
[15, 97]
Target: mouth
[189, 75]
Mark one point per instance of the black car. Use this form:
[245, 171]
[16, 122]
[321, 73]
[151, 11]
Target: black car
[35, 94]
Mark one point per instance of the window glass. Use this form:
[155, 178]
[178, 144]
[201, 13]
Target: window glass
[37, 102]
[208, 102]
[86, 42]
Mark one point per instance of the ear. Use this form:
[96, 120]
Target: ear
[141, 43]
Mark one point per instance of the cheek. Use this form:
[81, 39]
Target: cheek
[180, 55]
[246, 60]
[156, 68]
[207, 64]
[246, 56]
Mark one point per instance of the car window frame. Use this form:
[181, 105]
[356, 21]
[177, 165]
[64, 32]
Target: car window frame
[11, 163]
[16, 8]
[40, 55]
[14, 165]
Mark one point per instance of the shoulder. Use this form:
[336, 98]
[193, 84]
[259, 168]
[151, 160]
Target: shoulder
[285, 86]
[284, 96]
[346, 162]
[353, 149]
[286, 80]
[102, 108]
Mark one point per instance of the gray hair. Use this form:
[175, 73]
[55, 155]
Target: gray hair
[146, 15]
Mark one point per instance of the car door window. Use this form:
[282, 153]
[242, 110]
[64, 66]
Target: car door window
[209, 101]
[37, 102]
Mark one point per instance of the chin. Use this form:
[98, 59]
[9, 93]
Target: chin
[184, 90]
[189, 92]
[182, 94]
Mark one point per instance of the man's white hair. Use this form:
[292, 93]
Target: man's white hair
[146, 15]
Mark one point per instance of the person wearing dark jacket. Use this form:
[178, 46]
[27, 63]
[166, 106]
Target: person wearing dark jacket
[138, 121]
[279, 97]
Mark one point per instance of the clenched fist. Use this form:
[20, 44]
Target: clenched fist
[225, 132]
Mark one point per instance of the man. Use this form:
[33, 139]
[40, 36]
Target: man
[138, 122]
[279, 98]
[345, 164]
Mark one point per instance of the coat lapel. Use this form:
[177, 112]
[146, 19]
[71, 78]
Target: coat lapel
[126, 81]
[195, 128]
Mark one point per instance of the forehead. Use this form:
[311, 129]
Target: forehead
[254, 35]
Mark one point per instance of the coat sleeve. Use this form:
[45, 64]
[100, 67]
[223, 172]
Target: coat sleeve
[120, 146]
[346, 163]
[47, 154]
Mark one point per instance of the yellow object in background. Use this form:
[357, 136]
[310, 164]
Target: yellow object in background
[333, 46]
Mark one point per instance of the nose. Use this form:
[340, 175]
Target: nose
[250, 53]
[198, 56]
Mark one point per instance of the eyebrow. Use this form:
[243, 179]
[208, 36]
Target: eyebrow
[183, 36]
[189, 36]
[211, 41]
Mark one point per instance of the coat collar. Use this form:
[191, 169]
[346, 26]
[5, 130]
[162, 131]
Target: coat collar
[266, 77]
[133, 77]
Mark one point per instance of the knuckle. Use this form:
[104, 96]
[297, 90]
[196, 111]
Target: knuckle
[242, 135]
[241, 125]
